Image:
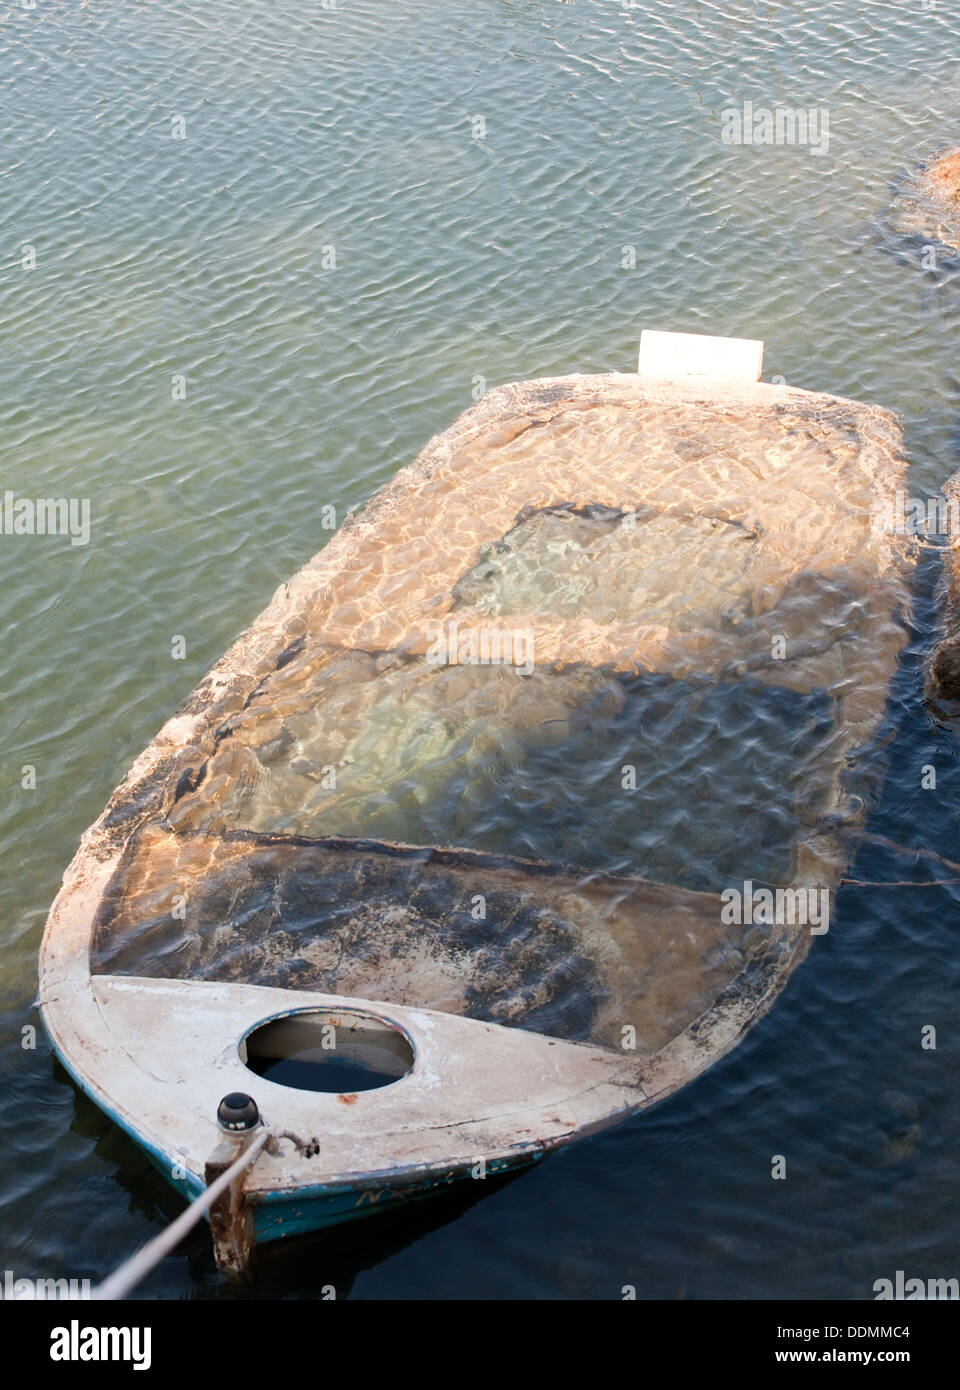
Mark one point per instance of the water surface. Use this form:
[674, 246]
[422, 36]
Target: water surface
[458, 262]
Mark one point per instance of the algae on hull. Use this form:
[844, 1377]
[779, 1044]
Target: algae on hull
[570, 955]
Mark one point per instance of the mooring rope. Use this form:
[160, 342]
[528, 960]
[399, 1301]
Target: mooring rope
[139, 1265]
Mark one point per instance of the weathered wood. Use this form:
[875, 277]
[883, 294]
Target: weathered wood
[231, 1221]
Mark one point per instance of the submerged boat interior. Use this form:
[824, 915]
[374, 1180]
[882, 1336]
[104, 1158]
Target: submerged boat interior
[340, 825]
[338, 830]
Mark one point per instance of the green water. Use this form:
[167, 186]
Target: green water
[203, 265]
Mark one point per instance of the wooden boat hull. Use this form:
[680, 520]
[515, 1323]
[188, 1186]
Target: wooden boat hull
[228, 892]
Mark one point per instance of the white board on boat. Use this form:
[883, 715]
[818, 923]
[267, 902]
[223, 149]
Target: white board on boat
[672, 355]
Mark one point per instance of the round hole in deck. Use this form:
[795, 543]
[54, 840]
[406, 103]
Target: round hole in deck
[328, 1050]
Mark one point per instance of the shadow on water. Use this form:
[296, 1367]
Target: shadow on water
[334, 1258]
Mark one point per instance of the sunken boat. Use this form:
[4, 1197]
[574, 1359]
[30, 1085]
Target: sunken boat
[656, 616]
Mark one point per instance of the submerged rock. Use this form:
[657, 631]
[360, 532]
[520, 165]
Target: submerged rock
[946, 669]
[929, 203]
[941, 179]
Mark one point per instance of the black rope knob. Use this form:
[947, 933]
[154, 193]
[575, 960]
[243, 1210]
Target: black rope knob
[238, 1111]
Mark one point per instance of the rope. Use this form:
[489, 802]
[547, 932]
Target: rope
[899, 882]
[139, 1265]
